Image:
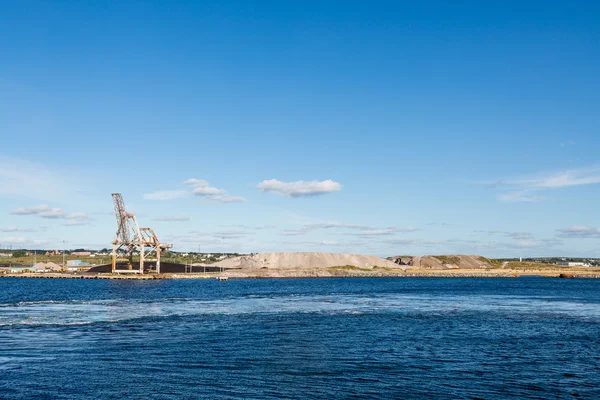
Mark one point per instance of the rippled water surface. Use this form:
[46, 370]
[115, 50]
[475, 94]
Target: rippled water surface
[300, 338]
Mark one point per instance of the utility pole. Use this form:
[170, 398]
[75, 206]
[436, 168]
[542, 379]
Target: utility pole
[200, 257]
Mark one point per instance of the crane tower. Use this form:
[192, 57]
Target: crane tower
[133, 239]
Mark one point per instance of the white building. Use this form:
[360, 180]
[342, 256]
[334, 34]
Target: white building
[573, 264]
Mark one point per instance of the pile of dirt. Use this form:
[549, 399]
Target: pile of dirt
[446, 262]
[306, 260]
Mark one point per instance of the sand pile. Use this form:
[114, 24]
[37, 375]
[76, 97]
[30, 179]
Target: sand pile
[307, 260]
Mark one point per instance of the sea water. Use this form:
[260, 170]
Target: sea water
[375, 338]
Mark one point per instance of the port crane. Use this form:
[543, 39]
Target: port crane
[131, 239]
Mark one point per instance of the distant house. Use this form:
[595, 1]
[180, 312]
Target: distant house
[5, 255]
[81, 253]
[53, 253]
[573, 264]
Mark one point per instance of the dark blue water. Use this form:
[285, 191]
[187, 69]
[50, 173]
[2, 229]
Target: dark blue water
[300, 338]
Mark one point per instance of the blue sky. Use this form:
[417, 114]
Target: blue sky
[382, 128]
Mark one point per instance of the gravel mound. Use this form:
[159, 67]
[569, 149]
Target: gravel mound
[307, 260]
[47, 267]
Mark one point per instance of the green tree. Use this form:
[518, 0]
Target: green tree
[19, 253]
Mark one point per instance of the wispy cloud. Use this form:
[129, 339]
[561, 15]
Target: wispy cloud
[232, 234]
[47, 212]
[202, 188]
[78, 222]
[573, 177]
[258, 227]
[385, 231]
[323, 225]
[403, 241]
[526, 189]
[20, 240]
[357, 229]
[196, 187]
[165, 195]
[522, 196]
[519, 235]
[172, 219]
[299, 188]
[511, 235]
[22, 178]
[15, 229]
[580, 232]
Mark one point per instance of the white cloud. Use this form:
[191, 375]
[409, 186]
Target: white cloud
[172, 219]
[299, 188]
[197, 187]
[196, 182]
[36, 210]
[526, 189]
[77, 215]
[581, 232]
[47, 212]
[207, 191]
[165, 195]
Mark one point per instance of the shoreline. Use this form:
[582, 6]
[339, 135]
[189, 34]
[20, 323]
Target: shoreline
[332, 272]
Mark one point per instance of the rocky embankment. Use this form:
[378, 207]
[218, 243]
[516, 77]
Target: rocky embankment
[446, 262]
